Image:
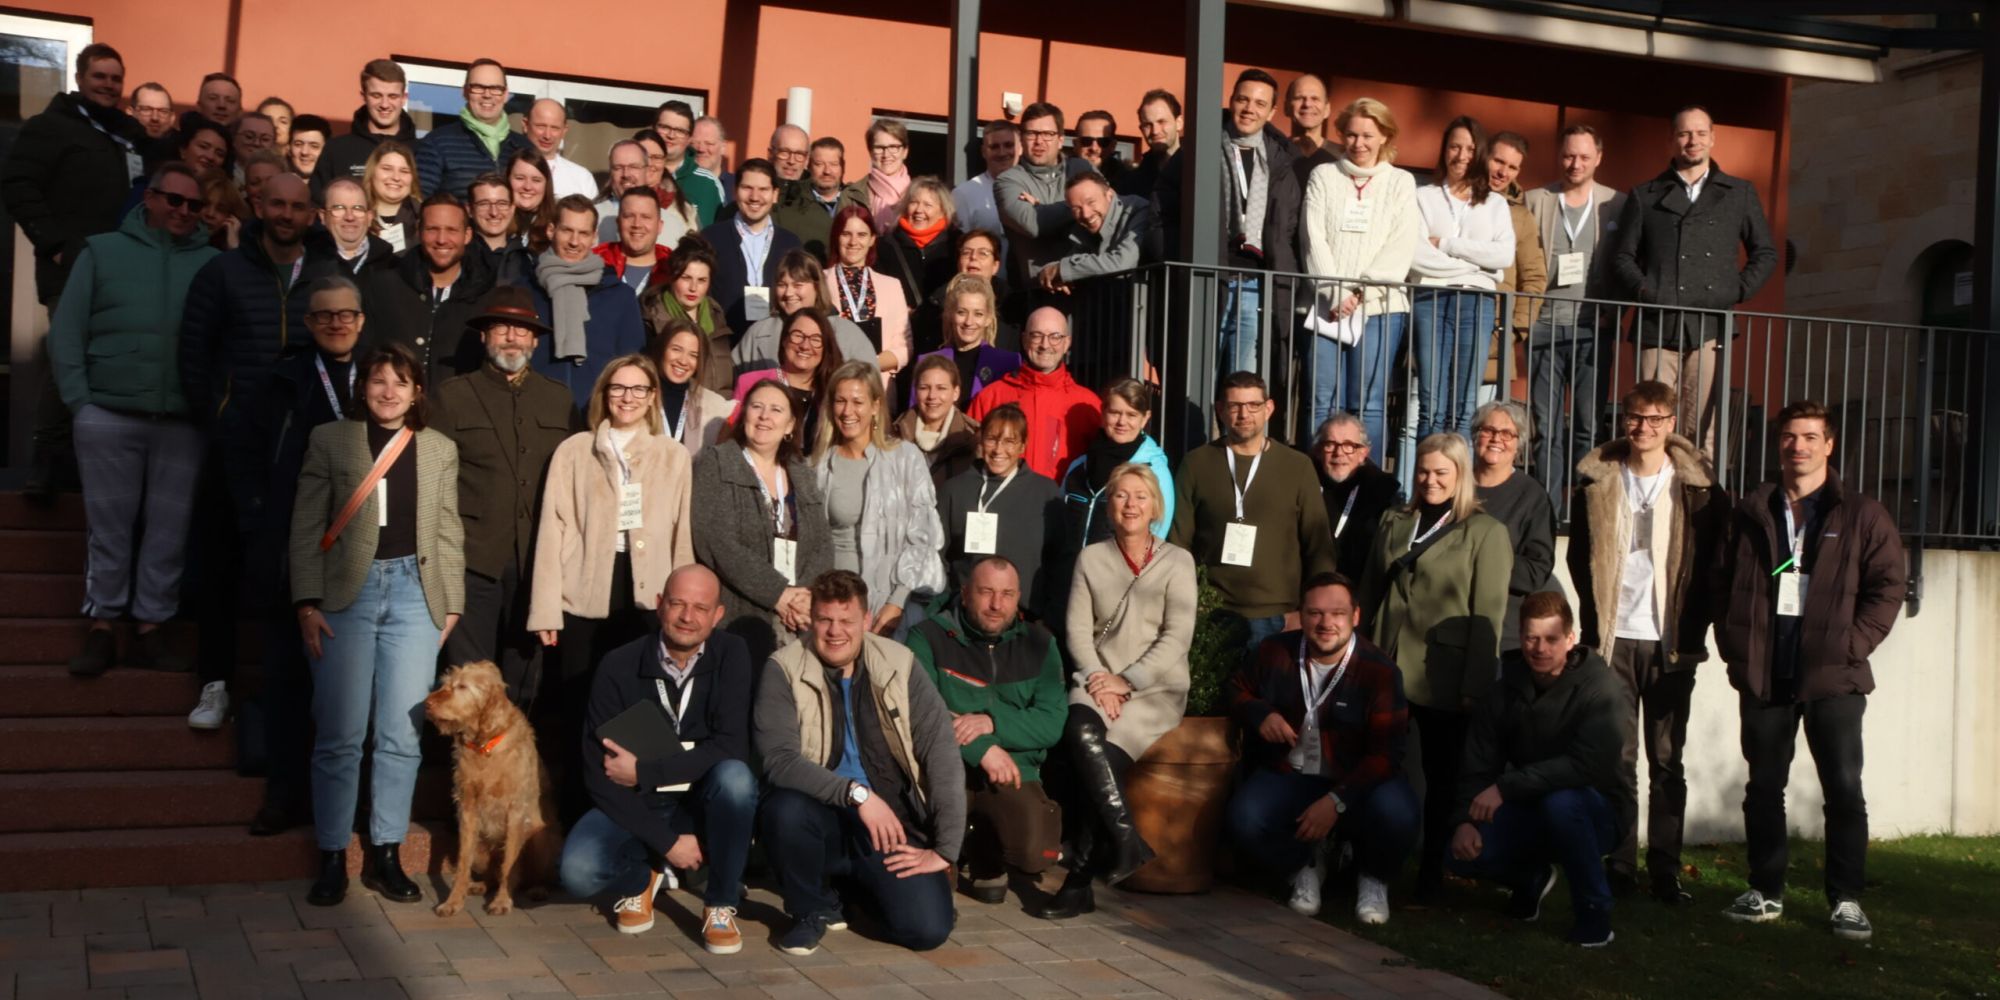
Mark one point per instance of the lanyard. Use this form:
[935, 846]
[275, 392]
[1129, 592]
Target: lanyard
[674, 427]
[1346, 509]
[848, 297]
[1230, 454]
[1316, 696]
[1646, 500]
[1455, 208]
[327, 384]
[1795, 537]
[687, 692]
[777, 508]
[1589, 206]
[1416, 539]
[1005, 481]
[1361, 187]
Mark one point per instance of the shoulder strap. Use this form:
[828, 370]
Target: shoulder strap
[381, 468]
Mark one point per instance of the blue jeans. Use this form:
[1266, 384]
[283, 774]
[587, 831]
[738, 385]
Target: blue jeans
[1365, 375]
[1236, 327]
[1264, 813]
[722, 806]
[1563, 395]
[1454, 330]
[809, 842]
[1263, 628]
[382, 656]
[1570, 827]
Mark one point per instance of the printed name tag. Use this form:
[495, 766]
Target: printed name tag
[135, 166]
[785, 556]
[629, 517]
[1569, 268]
[392, 234]
[382, 502]
[982, 533]
[1239, 544]
[1792, 594]
[1354, 218]
[756, 302]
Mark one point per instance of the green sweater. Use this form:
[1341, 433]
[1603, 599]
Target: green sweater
[1294, 540]
[1016, 677]
[115, 337]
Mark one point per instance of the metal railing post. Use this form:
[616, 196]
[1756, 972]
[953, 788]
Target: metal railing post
[1926, 358]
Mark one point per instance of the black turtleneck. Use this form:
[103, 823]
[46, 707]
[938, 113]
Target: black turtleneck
[673, 403]
[1429, 514]
[1105, 455]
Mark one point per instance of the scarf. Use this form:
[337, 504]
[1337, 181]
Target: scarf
[1247, 215]
[490, 136]
[884, 194]
[1105, 455]
[921, 237]
[703, 316]
[569, 285]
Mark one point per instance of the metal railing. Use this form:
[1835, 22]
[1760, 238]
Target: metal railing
[1908, 402]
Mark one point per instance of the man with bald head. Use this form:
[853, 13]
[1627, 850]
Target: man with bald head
[656, 813]
[1305, 105]
[1062, 415]
[548, 123]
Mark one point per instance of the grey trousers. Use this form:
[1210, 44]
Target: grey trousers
[139, 475]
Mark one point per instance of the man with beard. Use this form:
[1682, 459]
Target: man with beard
[507, 422]
[425, 301]
[1160, 128]
[1356, 490]
[384, 91]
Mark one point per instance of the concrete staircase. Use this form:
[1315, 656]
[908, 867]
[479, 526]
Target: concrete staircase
[102, 783]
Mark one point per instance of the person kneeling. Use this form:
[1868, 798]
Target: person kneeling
[1002, 679]
[1542, 788]
[1325, 724]
[684, 808]
[864, 773]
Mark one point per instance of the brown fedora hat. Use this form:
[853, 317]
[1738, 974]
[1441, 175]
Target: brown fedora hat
[509, 304]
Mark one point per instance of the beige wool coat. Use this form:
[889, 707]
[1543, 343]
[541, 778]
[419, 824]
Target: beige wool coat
[577, 544]
[1147, 643]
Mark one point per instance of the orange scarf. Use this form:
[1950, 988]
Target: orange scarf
[921, 237]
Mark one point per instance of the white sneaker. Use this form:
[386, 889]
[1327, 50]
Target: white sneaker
[212, 708]
[1306, 883]
[1371, 900]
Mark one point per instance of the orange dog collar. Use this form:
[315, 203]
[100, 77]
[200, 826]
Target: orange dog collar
[486, 747]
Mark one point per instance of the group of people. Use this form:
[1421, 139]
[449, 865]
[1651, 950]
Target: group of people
[817, 480]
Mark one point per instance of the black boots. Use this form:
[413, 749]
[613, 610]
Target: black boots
[1074, 899]
[1100, 781]
[383, 872]
[331, 885]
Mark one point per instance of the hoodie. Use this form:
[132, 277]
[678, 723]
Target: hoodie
[347, 155]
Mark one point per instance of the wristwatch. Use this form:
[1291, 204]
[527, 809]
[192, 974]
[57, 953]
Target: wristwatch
[1339, 806]
[857, 793]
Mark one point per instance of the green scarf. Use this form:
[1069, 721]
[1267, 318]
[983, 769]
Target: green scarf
[490, 136]
[704, 314]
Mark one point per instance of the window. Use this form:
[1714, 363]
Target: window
[930, 144]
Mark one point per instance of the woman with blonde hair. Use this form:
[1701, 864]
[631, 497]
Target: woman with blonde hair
[971, 322]
[1433, 598]
[1130, 623]
[390, 181]
[922, 254]
[1359, 222]
[881, 508]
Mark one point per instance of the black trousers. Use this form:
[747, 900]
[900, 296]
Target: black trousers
[215, 567]
[1441, 735]
[1833, 734]
[494, 626]
[288, 726]
[565, 695]
[1658, 698]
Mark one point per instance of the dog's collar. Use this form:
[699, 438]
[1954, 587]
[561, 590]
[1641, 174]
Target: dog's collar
[487, 747]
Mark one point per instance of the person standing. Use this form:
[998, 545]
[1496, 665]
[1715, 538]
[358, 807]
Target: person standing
[1250, 511]
[579, 296]
[426, 300]
[1466, 242]
[548, 125]
[1160, 127]
[1029, 196]
[1516, 500]
[1676, 246]
[748, 246]
[690, 412]
[1062, 415]
[935, 424]
[1648, 512]
[459, 149]
[1811, 580]
[974, 201]
[384, 92]
[1356, 490]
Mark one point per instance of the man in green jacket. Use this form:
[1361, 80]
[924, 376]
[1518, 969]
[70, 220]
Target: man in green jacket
[114, 349]
[1002, 679]
[1542, 789]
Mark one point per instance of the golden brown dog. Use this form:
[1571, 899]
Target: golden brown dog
[507, 824]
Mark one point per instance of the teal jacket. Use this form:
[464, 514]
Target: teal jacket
[1016, 677]
[114, 339]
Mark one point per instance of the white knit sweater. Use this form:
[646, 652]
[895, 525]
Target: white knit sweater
[1383, 253]
[1475, 242]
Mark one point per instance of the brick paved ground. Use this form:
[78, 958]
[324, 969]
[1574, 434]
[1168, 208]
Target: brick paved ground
[263, 941]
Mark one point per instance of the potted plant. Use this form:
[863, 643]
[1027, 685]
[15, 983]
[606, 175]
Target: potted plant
[1179, 788]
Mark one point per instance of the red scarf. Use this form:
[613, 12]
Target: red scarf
[921, 237]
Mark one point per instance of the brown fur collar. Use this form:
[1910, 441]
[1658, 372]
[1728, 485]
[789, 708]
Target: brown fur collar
[1604, 504]
[1603, 462]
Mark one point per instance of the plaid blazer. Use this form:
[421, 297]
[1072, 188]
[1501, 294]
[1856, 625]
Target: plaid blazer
[337, 459]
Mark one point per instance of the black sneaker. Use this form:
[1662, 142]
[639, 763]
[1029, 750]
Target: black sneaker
[1624, 881]
[1754, 907]
[1850, 923]
[1592, 928]
[1527, 903]
[804, 937]
[100, 650]
[1667, 888]
[150, 652]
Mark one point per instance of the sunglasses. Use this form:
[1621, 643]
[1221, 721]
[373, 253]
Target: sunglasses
[178, 201]
[1092, 140]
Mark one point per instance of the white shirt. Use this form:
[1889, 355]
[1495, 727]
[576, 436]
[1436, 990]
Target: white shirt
[1694, 189]
[1647, 506]
[572, 177]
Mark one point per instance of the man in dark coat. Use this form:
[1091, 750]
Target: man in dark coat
[456, 151]
[743, 291]
[506, 421]
[1797, 616]
[1676, 246]
[426, 300]
[568, 276]
[66, 178]
[1356, 490]
[384, 91]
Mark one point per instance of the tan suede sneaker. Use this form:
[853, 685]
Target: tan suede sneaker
[719, 933]
[635, 913]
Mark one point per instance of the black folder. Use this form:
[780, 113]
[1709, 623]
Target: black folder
[644, 730]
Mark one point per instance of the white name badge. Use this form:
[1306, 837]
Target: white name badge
[392, 234]
[1792, 594]
[756, 302]
[683, 786]
[135, 166]
[629, 517]
[785, 556]
[982, 533]
[1569, 268]
[1354, 218]
[1239, 543]
[382, 502]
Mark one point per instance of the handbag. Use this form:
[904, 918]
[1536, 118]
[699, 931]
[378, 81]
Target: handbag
[390, 452]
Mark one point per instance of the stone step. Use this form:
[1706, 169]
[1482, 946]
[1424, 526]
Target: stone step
[42, 595]
[150, 743]
[64, 514]
[34, 550]
[113, 800]
[29, 639]
[38, 691]
[189, 855]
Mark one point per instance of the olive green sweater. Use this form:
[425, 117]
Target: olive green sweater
[1283, 503]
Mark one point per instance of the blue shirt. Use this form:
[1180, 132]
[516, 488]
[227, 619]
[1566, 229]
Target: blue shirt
[850, 751]
[756, 247]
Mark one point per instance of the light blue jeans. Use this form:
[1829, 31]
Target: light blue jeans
[382, 657]
[1359, 376]
[1236, 332]
[1454, 331]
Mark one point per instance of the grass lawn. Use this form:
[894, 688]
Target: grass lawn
[1934, 901]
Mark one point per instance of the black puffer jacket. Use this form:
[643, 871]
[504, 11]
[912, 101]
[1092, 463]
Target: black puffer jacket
[241, 317]
[66, 178]
[398, 300]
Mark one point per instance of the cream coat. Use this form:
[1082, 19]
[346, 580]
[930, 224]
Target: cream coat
[1147, 644]
[1383, 253]
[578, 541]
[708, 414]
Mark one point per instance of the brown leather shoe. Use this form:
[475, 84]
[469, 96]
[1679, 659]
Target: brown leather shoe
[719, 933]
[635, 913]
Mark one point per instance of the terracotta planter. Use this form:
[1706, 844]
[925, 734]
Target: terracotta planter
[1177, 793]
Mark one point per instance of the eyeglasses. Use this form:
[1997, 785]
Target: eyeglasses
[342, 317]
[788, 155]
[1044, 338]
[1044, 134]
[178, 201]
[141, 111]
[1234, 408]
[347, 210]
[486, 89]
[1654, 421]
[886, 147]
[977, 253]
[1497, 434]
[488, 204]
[803, 338]
[1341, 447]
[634, 391]
[672, 131]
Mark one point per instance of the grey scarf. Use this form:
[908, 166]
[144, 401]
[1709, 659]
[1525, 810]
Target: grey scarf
[569, 285]
[1247, 206]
